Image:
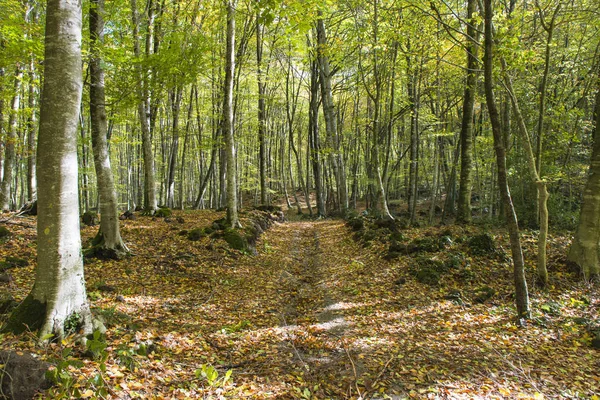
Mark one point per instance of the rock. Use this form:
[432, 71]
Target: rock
[483, 294]
[235, 239]
[163, 213]
[6, 278]
[482, 245]
[127, 215]
[400, 281]
[356, 224]
[120, 298]
[106, 288]
[4, 232]
[596, 342]
[89, 218]
[180, 220]
[23, 376]
[196, 234]
[7, 303]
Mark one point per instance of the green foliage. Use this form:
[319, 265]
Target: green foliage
[211, 376]
[235, 239]
[482, 245]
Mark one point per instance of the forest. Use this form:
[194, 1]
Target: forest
[299, 199]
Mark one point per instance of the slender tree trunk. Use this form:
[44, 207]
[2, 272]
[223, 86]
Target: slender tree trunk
[463, 212]
[176, 95]
[10, 145]
[336, 159]
[521, 292]
[313, 137]
[31, 136]
[2, 133]
[144, 114]
[58, 294]
[232, 206]
[108, 242]
[188, 124]
[262, 123]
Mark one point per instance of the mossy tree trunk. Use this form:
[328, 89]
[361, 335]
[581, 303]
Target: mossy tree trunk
[585, 249]
[58, 298]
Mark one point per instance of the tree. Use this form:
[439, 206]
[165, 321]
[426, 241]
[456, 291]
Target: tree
[232, 212]
[10, 146]
[463, 212]
[585, 249]
[108, 242]
[522, 294]
[58, 300]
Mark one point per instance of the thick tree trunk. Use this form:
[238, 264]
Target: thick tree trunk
[10, 145]
[521, 292]
[228, 127]
[585, 249]
[108, 242]
[463, 212]
[58, 295]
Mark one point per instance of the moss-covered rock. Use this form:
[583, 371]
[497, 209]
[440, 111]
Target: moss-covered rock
[90, 218]
[427, 270]
[483, 294]
[196, 234]
[7, 303]
[235, 239]
[163, 213]
[4, 232]
[356, 224]
[481, 245]
[29, 315]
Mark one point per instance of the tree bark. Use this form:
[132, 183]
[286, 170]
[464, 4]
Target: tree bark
[31, 136]
[463, 212]
[108, 242]
[336, 158]
[585, 249]
[144, 113]
[10, 145]
[521, 292]
[262, 123]
[58, 294]
[228, 127]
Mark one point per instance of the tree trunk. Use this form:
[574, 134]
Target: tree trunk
[521, 292]
[585, 249]
[463, 212]
[108, 242]
[313, 138]
[336, 158]
[262, 123]
[10, 145]
[232, 206]
[144, 113]
[58, 295]
[31, 137]
[176, 95]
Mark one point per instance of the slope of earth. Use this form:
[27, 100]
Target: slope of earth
[315, 314]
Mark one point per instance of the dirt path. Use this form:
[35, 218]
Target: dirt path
[311, 341]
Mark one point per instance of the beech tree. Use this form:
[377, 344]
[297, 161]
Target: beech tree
[108, 242]
[58, 300]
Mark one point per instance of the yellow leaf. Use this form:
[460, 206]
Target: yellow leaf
[504, 392]
[87, 394]
[538, 396]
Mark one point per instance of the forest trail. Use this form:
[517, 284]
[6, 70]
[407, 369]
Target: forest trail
[317, 313]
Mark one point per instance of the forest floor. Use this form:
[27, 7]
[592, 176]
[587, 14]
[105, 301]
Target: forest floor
[317, 314]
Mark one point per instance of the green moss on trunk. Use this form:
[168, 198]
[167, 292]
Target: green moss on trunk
[29, 315]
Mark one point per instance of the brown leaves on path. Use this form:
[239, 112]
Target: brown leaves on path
[316, 315]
